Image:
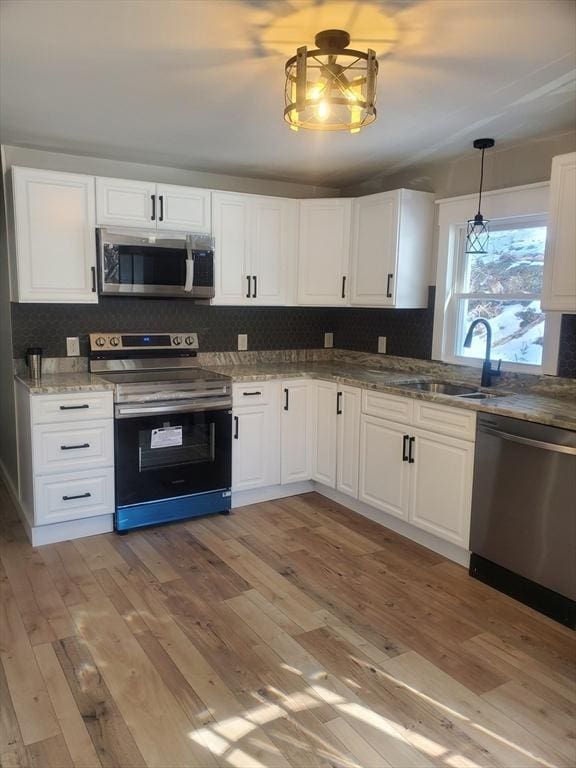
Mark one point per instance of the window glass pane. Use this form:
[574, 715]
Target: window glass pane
[517, 330]
[514, 263]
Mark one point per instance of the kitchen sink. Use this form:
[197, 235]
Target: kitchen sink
[447, 388]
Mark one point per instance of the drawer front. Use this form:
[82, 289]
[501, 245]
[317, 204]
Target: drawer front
[253, 393]
[455, 422]
[76, 406]
[76, 446]
[59, 498]
[389, 407]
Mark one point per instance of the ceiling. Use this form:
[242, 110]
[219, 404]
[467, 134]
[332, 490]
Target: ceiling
[198, 84]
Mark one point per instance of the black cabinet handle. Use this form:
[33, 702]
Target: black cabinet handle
[250, 394]
[343, 286]
[255, 293]
[404, 447]
[388, 291]
[161, 217]
[74, 447]
[73, 407]
[339, 403]
[93, 271]
[236, 426]
[411, 442]
[286, 399]
[153, 197]
[79, 496]
[249, 286]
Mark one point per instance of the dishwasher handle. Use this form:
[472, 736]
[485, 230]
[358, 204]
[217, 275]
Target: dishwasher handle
[529, 441]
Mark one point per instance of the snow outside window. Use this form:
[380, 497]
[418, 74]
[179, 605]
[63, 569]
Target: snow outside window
[504, 286]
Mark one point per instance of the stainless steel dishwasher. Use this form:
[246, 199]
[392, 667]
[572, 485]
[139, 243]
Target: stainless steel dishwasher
[523, 529]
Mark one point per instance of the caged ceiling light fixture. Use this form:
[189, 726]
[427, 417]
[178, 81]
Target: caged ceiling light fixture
[477, 232]
[332, 87]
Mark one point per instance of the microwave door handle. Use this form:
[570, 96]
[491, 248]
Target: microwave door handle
[189, 283]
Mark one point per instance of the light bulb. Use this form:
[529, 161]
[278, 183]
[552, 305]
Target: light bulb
[323, 110]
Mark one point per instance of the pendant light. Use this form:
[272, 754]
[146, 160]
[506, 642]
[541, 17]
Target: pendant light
[332, 87]
[477, 232]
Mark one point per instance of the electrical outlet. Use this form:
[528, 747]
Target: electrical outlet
[382, 345]
[72, 346]
[242, 342]
[328, 340]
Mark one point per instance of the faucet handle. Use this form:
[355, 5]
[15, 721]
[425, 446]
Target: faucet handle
[497, 371]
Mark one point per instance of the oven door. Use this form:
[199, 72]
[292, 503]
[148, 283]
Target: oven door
[164, 451]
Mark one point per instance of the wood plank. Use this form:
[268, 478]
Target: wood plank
[68, 590]
[113, 742]
[49, 753]
[12, 749]
[78, 571]
[366, 755]
[152, 559]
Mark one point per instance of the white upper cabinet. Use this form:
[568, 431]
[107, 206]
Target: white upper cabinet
[255, 248]
[126, 203]
[559, 289]
[391, 249]
[185, 209]
[54, 237]
[324, 251]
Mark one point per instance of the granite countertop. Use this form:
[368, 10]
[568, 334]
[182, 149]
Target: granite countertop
[557, 410]
[56, 383]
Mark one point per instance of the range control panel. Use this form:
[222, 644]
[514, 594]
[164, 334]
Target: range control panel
[106, 342]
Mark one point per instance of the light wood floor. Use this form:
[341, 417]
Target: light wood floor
[292, 633]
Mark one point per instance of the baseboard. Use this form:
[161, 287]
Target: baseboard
[13, 493]
[271, 492]
[444, 548]
[74, 529]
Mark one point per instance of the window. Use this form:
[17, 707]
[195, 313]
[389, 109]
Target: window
[503, 286]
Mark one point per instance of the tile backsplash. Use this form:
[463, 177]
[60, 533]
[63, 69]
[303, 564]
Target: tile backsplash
[408, 331]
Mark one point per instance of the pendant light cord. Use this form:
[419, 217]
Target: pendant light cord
[481, 181]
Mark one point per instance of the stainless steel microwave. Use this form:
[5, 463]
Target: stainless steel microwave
[144, 264]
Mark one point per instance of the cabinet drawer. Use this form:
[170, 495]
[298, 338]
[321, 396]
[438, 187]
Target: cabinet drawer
[455, 422]
[76, 406]
[59, 498]
[58, 448]
[253, 393]
[388, 407]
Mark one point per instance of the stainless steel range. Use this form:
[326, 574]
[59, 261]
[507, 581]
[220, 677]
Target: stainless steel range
[173, 427]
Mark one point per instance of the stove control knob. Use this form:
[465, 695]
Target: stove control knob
[114, 341]
[100, 341]
[189, 340]
[177, 340]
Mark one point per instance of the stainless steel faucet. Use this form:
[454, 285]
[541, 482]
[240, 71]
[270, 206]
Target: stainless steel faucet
[487, 371]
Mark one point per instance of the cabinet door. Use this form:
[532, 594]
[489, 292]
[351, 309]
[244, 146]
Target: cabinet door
[559, 289]
[55, 236]
[349, 400]
[374, 249]
[324, 432]
[273, 242]
[185, 209]
[126, 203]
[324, 252]
[384, 475]
[295, 432]
[441, 495]
[255, 447]
[230, 224]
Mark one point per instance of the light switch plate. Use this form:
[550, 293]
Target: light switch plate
[242, 342]
[72, 346]
[328, 340]
[382, 345]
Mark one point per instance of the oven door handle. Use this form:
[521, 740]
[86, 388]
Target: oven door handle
[127, 412]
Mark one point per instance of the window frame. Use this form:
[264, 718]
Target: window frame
[504, 207]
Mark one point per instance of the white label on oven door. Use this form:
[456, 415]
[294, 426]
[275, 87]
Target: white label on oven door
[164, 437]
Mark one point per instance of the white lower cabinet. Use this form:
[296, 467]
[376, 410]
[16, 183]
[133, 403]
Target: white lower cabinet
[296, 431]
[384, 475]
[62, 498]
[256, 436]
[324, 428]
[442, 486]
[348, 407]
